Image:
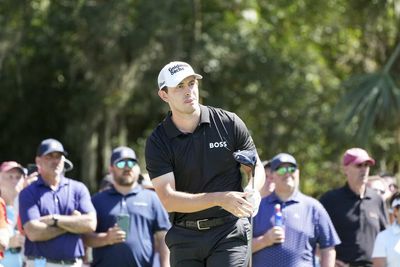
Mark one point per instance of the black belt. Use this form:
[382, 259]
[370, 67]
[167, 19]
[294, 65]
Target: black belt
[67, 262]
[205, 224]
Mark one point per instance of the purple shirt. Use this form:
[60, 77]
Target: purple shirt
[38, 200]
[306, 224]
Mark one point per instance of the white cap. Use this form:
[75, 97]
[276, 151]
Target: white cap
[175, 72]
[395, 202]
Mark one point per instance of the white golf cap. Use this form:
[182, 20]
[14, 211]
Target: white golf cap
[175, 72]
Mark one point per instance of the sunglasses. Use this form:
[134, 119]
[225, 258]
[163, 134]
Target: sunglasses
[283, 170]
[125, 163]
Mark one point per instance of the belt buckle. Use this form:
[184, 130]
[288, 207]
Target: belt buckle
[198, 224]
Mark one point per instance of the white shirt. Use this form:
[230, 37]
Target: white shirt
[387, 245]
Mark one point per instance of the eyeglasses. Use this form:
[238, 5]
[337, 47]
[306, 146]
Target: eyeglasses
[125, 163]
[283, 170]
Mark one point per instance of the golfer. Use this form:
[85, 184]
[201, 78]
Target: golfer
[189, 159]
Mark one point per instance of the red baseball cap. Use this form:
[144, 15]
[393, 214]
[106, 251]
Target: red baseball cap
[356, 156]
[9, 165]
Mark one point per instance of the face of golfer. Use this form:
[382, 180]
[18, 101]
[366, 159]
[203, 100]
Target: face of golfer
[184, 98]
[357, 174]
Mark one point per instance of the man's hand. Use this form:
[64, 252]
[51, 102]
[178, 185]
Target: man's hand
[253, 196]
[275, 235]
[115, 235]
[235, 203]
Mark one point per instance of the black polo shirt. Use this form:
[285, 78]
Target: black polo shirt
[357, 221]
[201, 161]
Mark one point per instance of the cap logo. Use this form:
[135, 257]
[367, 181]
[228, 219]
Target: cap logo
[177, 68]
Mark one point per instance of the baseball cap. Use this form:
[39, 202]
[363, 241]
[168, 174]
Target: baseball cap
[122, 152]
[50, 145]
[356, 156]
[174, 72]
[9, 165]
[281, 158]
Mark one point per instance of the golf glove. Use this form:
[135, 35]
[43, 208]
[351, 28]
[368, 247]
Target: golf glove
[254, 198]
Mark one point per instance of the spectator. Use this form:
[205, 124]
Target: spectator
[269, 185]
[4, 231]
[377, 184]
[131, 243]
[55, 211]
[189, 158]
[391, 184]
[392, 188]
[306, 223]
[386, 251]
[106, 182]
[11, 183]
[357, 212]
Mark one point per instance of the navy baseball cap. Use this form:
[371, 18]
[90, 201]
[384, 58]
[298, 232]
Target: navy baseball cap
[50, 145]
[122, 152]
[281, 158]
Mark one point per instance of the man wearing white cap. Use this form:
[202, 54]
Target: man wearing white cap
[357, 212]
[189, 159]
[387, 244]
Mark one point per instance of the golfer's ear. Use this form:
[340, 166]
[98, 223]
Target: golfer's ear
[163, 95]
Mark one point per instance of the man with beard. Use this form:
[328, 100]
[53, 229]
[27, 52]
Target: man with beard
[55, 211]
[357, 212]
[131, 220]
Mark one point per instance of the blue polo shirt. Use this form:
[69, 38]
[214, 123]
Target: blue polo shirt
[38, 200]
[147, 216]
[306, 224]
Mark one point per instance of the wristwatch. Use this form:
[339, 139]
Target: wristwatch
[55, 220]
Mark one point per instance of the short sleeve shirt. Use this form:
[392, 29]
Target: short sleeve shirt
[387, 245]
[146, 216]
[357, 221]
[38, 200]
[306, 224]
[201, 161]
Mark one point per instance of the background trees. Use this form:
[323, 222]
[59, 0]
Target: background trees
[307, 78]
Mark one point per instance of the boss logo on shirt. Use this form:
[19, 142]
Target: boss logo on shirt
[218, 144]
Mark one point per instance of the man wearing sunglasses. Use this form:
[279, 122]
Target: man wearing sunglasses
[131, 220]
[357, 211]
[306, 223]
